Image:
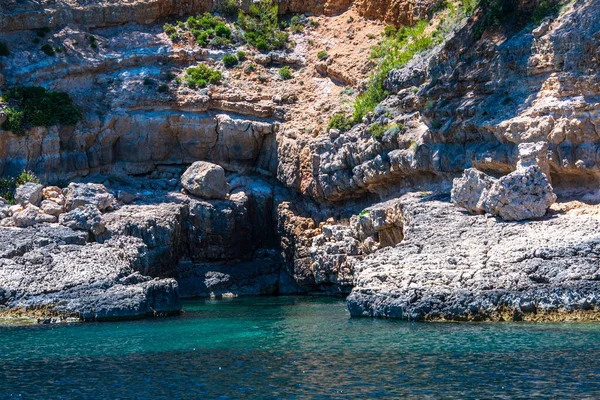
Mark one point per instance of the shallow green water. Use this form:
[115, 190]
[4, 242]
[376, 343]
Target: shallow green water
[294, 347]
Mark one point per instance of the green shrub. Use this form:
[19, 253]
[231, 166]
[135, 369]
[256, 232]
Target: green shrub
[390, 31]
[36, 106]
[163, 88]
[285, 73]
[250, 68]
[36, 40]
[296, 25]
[241, 55]
[377, 130]
[261, 25]
[230, 61]
[49, 50]
[322, 55]
[4, 52]
[393, 52]
[340, 122]
[201, 76]
[169, 29]
[222, 30]
[220, 42]
[313, 22]
[148, 82]
[230, 8]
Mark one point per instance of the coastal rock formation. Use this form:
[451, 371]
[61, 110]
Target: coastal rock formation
[51, 271]
[523, 194]
[520, 195]
[29, 193]
[205, 180]
[455, 266]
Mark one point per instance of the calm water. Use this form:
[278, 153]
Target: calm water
[292, 347]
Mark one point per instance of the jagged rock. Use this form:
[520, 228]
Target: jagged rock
[523, 194]
[85, 218]
[333, 255]
[534, 154]
[457, 266]
[29, 193]
[378, 226]
[81, 194]
[54, 194]
[469, 191]
[52, 208]
[30, 216]
[205, 180]
[51, 268]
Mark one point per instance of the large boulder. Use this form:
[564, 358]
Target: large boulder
[79, 194]
[469, 190]
[29, 193]
[30, 216]
[523, 194]
[87, 218]
[205, 180]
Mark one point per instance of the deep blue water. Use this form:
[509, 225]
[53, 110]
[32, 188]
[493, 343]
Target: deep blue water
[295, 347]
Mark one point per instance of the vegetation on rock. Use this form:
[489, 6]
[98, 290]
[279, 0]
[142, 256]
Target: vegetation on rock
[230, 61]
[261, 25]
[340, 122]
[285, 73]
[201, 76]
[35, 106]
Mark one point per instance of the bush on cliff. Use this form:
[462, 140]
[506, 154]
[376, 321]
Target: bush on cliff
[340, 122]
[201, 76]
[35, 106]
[261, 25]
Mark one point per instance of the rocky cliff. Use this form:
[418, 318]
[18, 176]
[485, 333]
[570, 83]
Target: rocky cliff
[307, 208]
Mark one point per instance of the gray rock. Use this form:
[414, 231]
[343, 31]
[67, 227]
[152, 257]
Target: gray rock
[469, 191]
[52, 208]
[52, 268]
[456, 266]
[30, 216]
[29, 193]
[523, 194]
[205, 180]
[86, 218]
[80, 194]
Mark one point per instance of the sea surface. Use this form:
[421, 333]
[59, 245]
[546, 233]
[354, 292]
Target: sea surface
[297, 348]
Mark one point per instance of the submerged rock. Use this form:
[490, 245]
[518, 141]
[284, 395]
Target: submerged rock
[205, 180]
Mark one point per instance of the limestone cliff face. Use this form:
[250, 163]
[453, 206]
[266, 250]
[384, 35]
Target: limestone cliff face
[470, 104]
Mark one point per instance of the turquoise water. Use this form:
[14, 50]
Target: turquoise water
[295, 347]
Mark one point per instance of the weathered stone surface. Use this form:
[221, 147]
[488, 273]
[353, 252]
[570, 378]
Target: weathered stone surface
[523, 194]
[333, 255]
[205, 180]
[470, 190]
[29, 193]
[52, 208]
[54, 194]
[80, 194]
[52, 268]
[86, 218]
[30, 216]
[457, 266]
